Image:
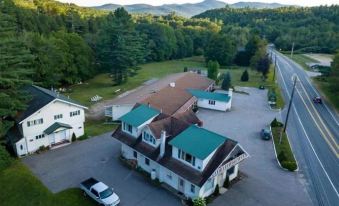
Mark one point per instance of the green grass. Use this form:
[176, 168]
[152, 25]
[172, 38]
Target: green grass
[20, 187]
[284, 146]
[325, 84]
[97, 127]
[102, 84]
[302, 59]
[255, 80]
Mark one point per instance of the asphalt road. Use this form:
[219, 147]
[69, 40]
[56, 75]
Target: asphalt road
[313, 130]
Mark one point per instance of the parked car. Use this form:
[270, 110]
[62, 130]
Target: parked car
[100, 192]
[266, 133]
[317, 100]
[262, 87]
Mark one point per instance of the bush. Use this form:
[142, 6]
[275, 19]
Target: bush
[227, 182]
[74, 138]
[282, 157]
[245, 76]
[291, 166]
[199, 202]
[185, 69]
[216, 191]
[276, 123]
[226, 83]
[5, 159]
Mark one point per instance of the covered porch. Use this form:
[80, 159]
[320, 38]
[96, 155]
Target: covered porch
[59, 134]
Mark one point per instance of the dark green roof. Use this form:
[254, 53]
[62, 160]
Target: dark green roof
[40, 97]
[209, 95]
[198, 141]
[139, 115]
[56, 126]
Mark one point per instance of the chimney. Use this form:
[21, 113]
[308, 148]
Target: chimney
[162, 144]
[230, 92]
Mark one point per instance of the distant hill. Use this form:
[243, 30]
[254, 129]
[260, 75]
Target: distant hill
[188, 9]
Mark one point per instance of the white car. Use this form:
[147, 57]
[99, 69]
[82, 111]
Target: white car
[100, 192]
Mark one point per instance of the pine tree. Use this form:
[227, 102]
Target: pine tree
[244, 76]
[213, 68]
[15, 69]
[226, 83]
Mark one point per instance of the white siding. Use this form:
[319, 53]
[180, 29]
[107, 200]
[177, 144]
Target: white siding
[157, 141]
[137, 131]
[198, 162]
[220, 106]
[118, 111]
[47, 114]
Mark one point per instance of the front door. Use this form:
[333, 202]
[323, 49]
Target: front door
[181, 185]
[59, 136]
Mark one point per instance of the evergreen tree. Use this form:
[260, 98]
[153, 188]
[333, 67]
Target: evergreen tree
[213, 70]
[226, 83]
[245, 76]
[263, 65]
[120, 47]
[15, 70]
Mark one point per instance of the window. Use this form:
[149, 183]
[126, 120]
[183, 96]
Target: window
[135, 154]
[35, 122]
[74, 113]
[169, 175]
[230, 171]
[149, 138]
[211, 102]
[21, 147]
[192, 188]
[129, 128]
[95, 193]
[146, 161]
[209, 184]
[40, 136]
[187, 157]
[58, 116]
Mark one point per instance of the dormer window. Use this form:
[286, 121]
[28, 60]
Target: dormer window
[186, 157]
[149, 138]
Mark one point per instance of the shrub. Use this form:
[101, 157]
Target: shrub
[276, 123]
[244, 76]
[83, 137]
[199, 202]
[185, 69]
[282, 157]
[5, 159]
[290, 165]
[226, 83]
[74, 138]
[216, 191]
[227, 182]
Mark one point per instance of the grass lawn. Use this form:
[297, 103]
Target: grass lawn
[94, 128]
[255, 80]
[285, 147]
[20, 187]
[326, 87]
[302, 59]
[102, 84]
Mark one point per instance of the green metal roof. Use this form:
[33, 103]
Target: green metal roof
[198, 141]
[56, 126]
[139, 115]
[209, 95]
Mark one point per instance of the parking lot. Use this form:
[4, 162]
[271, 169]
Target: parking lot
[264, 182]
[97, 157]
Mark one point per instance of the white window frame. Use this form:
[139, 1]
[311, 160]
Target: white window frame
[211, 102]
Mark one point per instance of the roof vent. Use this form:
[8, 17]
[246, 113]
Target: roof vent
[172, 84]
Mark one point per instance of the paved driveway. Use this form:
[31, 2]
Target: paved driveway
[66, 167]
[265, 183]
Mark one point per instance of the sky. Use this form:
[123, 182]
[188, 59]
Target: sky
[160, 2]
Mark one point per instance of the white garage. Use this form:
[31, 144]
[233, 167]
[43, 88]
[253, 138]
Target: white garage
[220, 101]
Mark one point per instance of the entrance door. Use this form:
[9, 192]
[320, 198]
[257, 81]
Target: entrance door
[181, 185]
[60, 136]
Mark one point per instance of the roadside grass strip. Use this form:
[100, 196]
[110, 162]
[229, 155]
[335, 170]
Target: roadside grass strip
[283, 150]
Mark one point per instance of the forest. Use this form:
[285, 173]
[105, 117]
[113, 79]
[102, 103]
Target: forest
[312, 29]
[57, 45]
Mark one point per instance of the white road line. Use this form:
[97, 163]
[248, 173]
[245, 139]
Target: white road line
[322, 166]
[313, 88]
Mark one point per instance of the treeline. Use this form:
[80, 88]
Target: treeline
[312, 29]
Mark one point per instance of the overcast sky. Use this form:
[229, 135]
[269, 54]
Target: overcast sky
[159, 2]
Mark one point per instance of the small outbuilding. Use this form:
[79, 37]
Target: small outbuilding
[213, 100]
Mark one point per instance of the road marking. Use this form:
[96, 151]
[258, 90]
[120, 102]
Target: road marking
[322, 122]
[289, 62]
[302, 126]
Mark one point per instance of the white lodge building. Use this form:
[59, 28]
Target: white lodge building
[175, 150]
[50, 120]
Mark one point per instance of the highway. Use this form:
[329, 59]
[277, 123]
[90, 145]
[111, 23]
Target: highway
[313, 131]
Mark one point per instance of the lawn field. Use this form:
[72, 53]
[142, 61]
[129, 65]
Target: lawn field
[102, 84]
[20, 187]
[97, 127]
[302, 60]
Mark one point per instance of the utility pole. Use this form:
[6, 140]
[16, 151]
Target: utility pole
[292, 50]
[275, 66]
[289, 108]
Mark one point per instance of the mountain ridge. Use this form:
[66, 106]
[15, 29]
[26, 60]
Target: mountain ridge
[186, 9]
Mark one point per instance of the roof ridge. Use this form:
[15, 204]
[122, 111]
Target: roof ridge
[44, 90]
